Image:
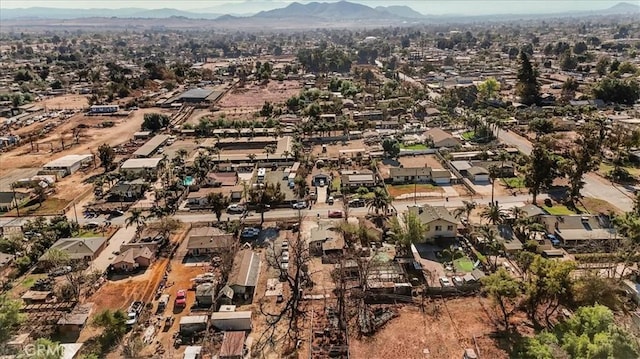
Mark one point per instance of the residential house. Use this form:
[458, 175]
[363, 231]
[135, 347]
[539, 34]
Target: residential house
[11, 199]
[440, 223]
[578, 230]
[132, 259]
[244, 273]
[127, 191]
[440, 138]
[208, 240]
[218, 179]
[356, 179]
[478, 174]
[400, 175]
[504, 169]
[141, 165]
[80, 249]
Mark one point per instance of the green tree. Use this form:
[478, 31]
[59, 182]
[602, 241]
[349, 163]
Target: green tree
[114, 325]
[602, 65]
[489, 88]
[10, 317]
[391, 147]
[541, 169]
[155, 121]
[379, 202]
[493, 214]
[582, 158]
[467, 208]
[527, 86]
[267, 109]
[268, 195]
[618, 91]
[409, 229]
[106, 154]
[504, 290]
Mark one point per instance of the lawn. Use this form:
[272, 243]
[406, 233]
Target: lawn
[335, 184]
[397, 190]
[88, 234]
[416, 147]
[513, 182]
[558, 210]
[470, 135]
[605, 168]
[463, 264]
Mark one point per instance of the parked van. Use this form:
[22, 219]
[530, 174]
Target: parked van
[163, 302]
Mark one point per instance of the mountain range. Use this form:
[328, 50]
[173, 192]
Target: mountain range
[314, 12]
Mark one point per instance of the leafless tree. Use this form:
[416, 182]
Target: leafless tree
[296, 276]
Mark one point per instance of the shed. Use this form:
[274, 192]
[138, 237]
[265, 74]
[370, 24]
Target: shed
[205, 294]
[232, 345]
[150, 146]
[192, 352]
[76, 319]
[36, 297]
[231, 320]
[193, 323]
[244, 273]
[68, 164]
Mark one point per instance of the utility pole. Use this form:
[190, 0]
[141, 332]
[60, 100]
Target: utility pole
[415, 187]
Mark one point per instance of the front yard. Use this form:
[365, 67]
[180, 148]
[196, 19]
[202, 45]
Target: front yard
[397, 190]
[513, 182]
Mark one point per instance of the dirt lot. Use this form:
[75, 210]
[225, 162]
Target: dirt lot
[66, 102]
[420, 161]
[254, 96]
[444, 335]
[89, 140]
[333, 150]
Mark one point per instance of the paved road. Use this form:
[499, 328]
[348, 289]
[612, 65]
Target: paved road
[595, 186]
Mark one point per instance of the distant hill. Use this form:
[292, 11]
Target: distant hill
[623, 8]
[335, 11]
[401, 11]
[126, 13]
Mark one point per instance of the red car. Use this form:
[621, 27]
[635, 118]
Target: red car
[181, 298]
[336, 214]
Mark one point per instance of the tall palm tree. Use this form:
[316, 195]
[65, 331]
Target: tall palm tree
[493, 214]
[466, 209]
[269, 150]
[492, 244]
[286, 155]
[218, 203]
[380, 202]
[252, 157]
[136, 219]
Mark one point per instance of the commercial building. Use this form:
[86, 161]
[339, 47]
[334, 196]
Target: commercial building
[150, 146]
[68, 165]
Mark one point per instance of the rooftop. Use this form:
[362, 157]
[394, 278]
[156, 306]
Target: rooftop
[428, 214]
[138, 163]
[246, 267]
[232, 344]
[67, 161]
[150, 146]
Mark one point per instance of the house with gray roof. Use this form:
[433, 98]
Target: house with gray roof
[244, 273]
[80, 249]
[439, 221]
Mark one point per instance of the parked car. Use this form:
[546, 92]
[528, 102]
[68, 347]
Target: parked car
[250, 232]
[285, 257]
[92, 225]
[330, 200]
[355, 203]
[60, 271]
[132, 318]
[336, 214]
[300, 205]
[445, 282]
[236, 209]
[321, 183]
[285, 245]
[181, 298]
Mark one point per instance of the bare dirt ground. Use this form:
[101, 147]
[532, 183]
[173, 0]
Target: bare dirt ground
[420, 161]
[254, 96]
[333, 150]
[65, 102]
[89, 140]
[445, 335]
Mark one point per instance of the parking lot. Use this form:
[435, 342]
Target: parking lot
[276, 177]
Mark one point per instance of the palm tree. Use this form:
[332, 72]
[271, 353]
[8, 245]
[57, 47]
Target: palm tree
[492, 244]
[286, 155]
[450, 254]
[517, 212]
[252, 157]
[467, 208]
[379, 202]
[269, 150]
[182, 153]
[218, 203]
[136, 219]
[493, 214]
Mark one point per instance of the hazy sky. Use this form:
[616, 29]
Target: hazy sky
[466, 7]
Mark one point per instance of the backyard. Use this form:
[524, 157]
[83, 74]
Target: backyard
[463, 264]
[415, 147]
[513, 182]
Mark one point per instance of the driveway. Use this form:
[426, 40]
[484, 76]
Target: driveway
[322, 194]
[123, 235]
